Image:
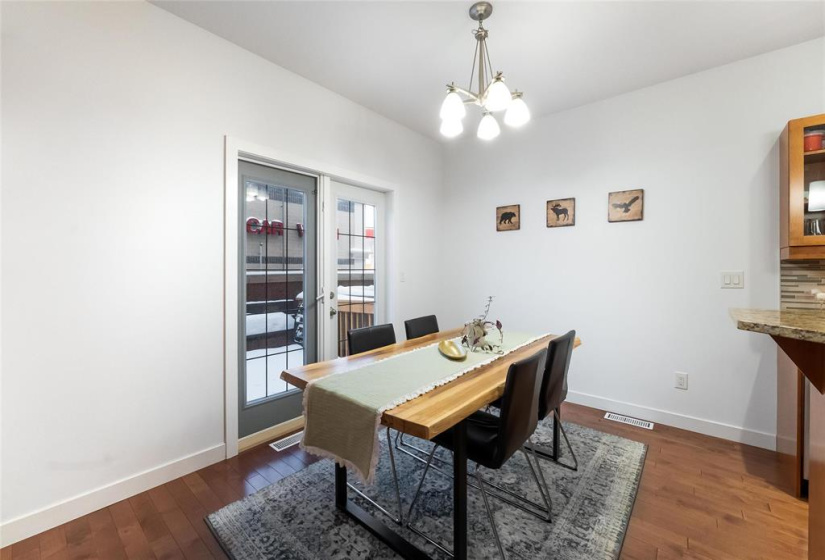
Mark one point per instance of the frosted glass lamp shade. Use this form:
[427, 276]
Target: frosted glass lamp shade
[451, 128]
[488, 127]
[452, 109]
[517, 113]
[498, 96]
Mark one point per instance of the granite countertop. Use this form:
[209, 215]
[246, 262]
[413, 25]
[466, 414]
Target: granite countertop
[800, 325]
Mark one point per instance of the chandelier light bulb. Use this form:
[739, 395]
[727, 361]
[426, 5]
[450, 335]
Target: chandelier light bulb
[517, 113]
[452, 108]
[498, 97]
[488, 127]
[451, 127]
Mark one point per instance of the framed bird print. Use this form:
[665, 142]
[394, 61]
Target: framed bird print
[626, 206]
[561, 212]
[508, 218]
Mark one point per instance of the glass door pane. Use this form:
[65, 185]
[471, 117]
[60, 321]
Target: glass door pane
[356, 221]
[814, 181]
[275, 287]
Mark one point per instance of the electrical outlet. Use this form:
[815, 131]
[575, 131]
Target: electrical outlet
[681, 381]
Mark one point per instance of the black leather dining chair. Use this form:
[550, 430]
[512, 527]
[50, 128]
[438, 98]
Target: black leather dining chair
[421, 326]
[364, 340]
[551, 395]
[492, 440]
[370, 338]
[554, 393]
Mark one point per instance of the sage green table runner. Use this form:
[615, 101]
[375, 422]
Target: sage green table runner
[343, 411]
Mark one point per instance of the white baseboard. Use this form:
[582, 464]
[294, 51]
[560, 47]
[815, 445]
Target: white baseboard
[36, 522]
[691, 423]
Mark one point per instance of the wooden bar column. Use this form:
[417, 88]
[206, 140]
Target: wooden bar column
[809, 357]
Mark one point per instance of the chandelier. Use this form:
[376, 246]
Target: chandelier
[492, 96]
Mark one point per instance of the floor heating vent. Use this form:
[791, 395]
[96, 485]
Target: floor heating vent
[628, 420]
[288, 441]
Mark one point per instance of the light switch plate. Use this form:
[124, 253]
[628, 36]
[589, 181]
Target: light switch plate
[733, 280]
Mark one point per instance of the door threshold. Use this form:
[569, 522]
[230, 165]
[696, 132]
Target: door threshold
[274, 432]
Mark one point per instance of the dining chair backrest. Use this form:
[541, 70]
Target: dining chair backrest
[421, 326]
[517, 422]
[370, 338]
[554, 381]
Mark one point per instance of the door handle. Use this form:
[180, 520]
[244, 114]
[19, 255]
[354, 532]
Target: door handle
[332, 312]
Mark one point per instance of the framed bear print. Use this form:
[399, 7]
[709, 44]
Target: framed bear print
[508, 218]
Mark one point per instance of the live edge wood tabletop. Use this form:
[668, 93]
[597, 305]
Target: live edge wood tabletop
[440, 409]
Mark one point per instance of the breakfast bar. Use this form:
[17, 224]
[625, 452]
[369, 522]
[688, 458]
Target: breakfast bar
[801, 335]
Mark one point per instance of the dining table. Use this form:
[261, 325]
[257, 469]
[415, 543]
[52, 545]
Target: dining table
[445, 407]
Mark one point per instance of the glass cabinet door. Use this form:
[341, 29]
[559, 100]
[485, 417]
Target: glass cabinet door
[813, 223]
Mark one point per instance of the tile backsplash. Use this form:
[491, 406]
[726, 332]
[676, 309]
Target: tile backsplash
[798, 279]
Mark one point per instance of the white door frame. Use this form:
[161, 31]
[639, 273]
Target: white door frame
[235, 149]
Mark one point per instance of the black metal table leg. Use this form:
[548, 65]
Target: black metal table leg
[460, 491]
[389, 537]
[340, 487]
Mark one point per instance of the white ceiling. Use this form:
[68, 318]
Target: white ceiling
[396, 57]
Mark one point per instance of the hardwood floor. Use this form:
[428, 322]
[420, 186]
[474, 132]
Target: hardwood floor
[707, 498]
[700, 498]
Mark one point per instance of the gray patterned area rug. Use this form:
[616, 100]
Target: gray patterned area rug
[295, 518]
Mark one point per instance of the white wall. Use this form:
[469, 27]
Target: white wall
[644, 296]
[114, 116]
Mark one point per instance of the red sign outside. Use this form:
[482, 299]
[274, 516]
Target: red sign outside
[274, 227]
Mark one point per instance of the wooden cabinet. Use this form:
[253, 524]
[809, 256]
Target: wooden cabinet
[802, 190]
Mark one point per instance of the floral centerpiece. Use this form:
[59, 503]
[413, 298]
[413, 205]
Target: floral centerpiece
[476, 334]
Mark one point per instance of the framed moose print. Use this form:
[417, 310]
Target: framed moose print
[561, 212]
[508, 218]
[626, 206]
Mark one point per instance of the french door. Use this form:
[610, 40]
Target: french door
[355, 268]
[278, 300]
[296, 308]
